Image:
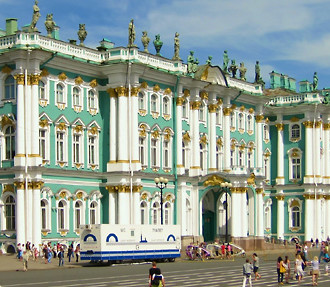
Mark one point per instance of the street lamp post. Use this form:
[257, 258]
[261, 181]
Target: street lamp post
[161, 183]
[225, 186]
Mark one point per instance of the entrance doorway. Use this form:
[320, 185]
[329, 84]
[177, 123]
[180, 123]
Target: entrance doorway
[208, 217]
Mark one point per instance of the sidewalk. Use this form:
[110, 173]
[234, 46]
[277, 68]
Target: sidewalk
[9, 262]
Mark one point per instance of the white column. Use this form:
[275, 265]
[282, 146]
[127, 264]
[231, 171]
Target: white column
[309, 172]
[280, 216]
[243, 212]
[181, 210]
[213, 137]
[326, 128]
[28, 113]
[179, 159]
[20, 134]
[35, 116]
[236, 222]
[20, 214]
[318, 217]
[36, 214]
[112, 205]
[309, 216]
[226, 139]
[196, 212]
[317, 151]
[327, 216]
[260, 213]
[122, 138]
[259, 136]
[28, 213]
[113, 126]
[134, 138]
[123, 205]
[280, 154]
[136, 204]
[195, 162]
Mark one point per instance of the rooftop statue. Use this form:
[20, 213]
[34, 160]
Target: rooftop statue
[131, 34]
[233, 68]
[145, 41]
[242, 71]
[225, 61]
[158, 44]
[176, 47]
[209, 60]
[50, 24]
[191, 61]
[315, 81]
[82, 34]
[195, 65]
[257, 72]
[35, 17]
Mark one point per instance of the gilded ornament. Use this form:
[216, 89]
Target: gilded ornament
[279, 197]
[44, 72]
[227, 111]
[203, 140]
[308, 124]
[79, 195]
[20, 79]
[8, 187]
[242, 147]
[6, 121]
[121, 91]
[155, 134]
[294, 119]
[251, 110]
[219, 142]
[326, 196]
[251, 179]
[326, 126]
[204, 95]
[62, 76]
[180, 101]
[205, 74]
[137, 188]
[220, 102]
[61, 126]
[143, 132]
[93, 130]
[156, 88]
[112, 92]
[309, 196]
[144, 196]
[242, 108]
[35, 79]
[233, 106]
[78, 165]
[144, 85]
[259, 118]
[135, 91]
[167, 91]
[93, 83]
[78, 81]
[214, 180]
[259, 190]
[78, 128]
[195, 105]
[186, 93]
[267, 154]
[318, 124]
[186, 137]
[232, 147]
[167, 135]
[62, 194]
[6, 70]
[37, 185]
[213, 108]
[280, 127]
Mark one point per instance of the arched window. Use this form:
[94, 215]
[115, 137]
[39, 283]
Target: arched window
[142, 104]
[185, 155]
[266, 132]
[241, 121]
[61, 214]
[92, 150]
[77, 148]
[60, 94]
[267, 217]
[42, 92]
[9, 142]
[167, 213]
[202, 157]
[294, 208]
[155, 213]
[294, 164]
[60, 146]
[76, 97]
[154, 152]
[10, 88]
[153, 103]
[144, 212]
[142, 152]
[295, 132]
[295, 216]
[185, 109]
[44, 214]
[92, 100]
[166, 106]
[93, 213]
[10, 213]
[250, 123]
[77, 214]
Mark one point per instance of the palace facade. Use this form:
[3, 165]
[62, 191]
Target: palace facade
[84, 133]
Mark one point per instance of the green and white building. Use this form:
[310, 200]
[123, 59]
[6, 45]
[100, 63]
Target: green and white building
[85, 131]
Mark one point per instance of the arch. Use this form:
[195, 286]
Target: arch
[90, 236]
[112, 235]
[170, 237]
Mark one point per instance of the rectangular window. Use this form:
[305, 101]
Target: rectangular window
[154, 152]
[76, 148]
[142, 152]
[77, 215]
[296, 168]
[42, 143]
[91, 150]
[60, 147]
[166, 154]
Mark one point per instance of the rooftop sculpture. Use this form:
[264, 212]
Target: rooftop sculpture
[145, 41]
[176, 47]
[35, 17]
[131, 34]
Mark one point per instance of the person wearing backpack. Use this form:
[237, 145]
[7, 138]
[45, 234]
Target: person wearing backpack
[156, 279]
[247, 270]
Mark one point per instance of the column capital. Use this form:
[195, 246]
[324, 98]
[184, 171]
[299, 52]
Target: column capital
[213, 108]
[309, 196]
[227, 111]
[318, 124]
[280, 127]
[308, 124]
[279, 197]
[37, 184]
[112, 92]
[326, 126]
[121, 91]
[20, 79]
[195, 105]
[135, 91]
[180, 101]
[259, 190]
[259, 118]
[35, 79]
[19, 184]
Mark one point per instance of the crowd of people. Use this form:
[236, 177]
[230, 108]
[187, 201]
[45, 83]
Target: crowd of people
[47, 252]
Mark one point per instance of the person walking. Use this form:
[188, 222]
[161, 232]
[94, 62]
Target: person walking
[326, 260]
[288, 269]
[60, 256]
[70, 252]
[77, 252]
[281, 269]
[247, 270]
[25, 256]
[255, 260]
[299, 268]
[156, 279]
[315, 270]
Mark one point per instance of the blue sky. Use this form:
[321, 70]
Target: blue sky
[289, 36]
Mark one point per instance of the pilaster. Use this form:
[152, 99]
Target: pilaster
[280, 215]
[280, 155]
[226, 139]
